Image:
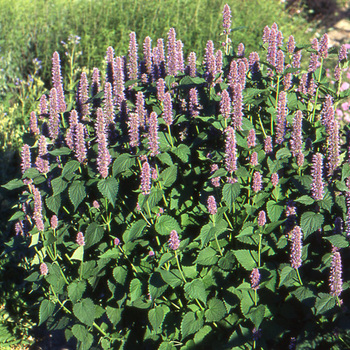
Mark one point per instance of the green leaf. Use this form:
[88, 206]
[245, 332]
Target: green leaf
[45, 311]
[229, 193]
[58, 185]
[85, 311]
[120, 273]
[19, 215]
[327, 201]
[310, 222]
[54, 203]
[70, 168]
[216, 310]
[31, 173]
[166, 346]
[256, 314]
[156, 285]
[172, 277]
[122, 163]
[226, 262]
[135, 290]
[324, 303]
[84, 337]
[165, 224]
[306, 200]
[165, 258]
[168, 176]
[183, 152]
[196, 290]
[274, 210]
[201, 334]
[114, 315]
[207, 257]
[345, 171]
[190, 324]
[113, 253]
[63, 151]
[13, 184]
[288, 277]
[165, 158]
[135, 231]
[156, 317]
[339, 241]
[76, 193]
[109, 189]
[93, 234]
[209, 231]
[246, 258]
[76, 290]
[78, 254]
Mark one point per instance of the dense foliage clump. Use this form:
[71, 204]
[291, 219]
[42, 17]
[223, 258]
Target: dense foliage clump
[170, 204]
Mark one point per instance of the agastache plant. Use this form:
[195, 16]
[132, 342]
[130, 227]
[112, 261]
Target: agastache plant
[242, 156]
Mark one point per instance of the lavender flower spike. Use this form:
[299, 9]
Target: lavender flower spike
[37, 215]
[317, 186]
[42, 162]
[167, 109]
[255, 279]
[145, 178]
[147, 55]
[225, 104]
[54, 121]
[192, 70]
[172, 54]
[261, 218]
[296, 140]
[26, 162]
[44, 270]
[343, 53]
[80, 239]
[83, 96]
[103, 158]
[230, 150]
[140, 109]
[333, 151]
[226, 19]
[174, 241]
[210, 64]
[281, 115]
[335, 277]
[33, 124]
[134, 125]
[79, 142]
[193, 105]
[296, 248]
[133, 65]
[109, 63]
[257, 182]
[211, 205]
[57, 82]
[118, 81]
[153, 141]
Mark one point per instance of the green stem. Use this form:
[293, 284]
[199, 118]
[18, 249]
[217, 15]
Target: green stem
[171, 139]
[301, 283]
[179, 267]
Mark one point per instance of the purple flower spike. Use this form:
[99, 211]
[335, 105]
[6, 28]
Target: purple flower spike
[133, 58]
[33, 124]
[254, 159]
[280, 62]
[291, 45]
[193, 105]
[191, 69]
[116, 241]
[230, 150]
[54, 222]
[57, 82]
[296, 238]
[226, 19]
[343, 53]
[335, 276]
[237, 115]
[26, 158]
[160, 89]
[296, 60]
[257, 182]
[44, 110]
[38, 215]
[233, 74]
[108, 107]
[174, 241]
[281, 115]
[272, 48]
[147, 55]
[274, 179]
[140, 109]
[218, 64]
[153, 139]
[180, 56]
[254, 64]
[167, 109]
[225, 104]
[109, 64]
[172, 54]
[44, 270]
[210, 65]
[337, 72]
[296, 140]
[79, 142]
[42, 162]
[73, 118]
[333, 151]
[266, 34]
[134, 125]
[313, 62]
[103, 158]
[80, 239]
[255, 279]
[211, 205]
[323, 50]
[118, 81]
[251, 139]
[146, 178]
[268, 145]
[240, 50]
[241, 72]
[54, 122]
[215, 181]
[95, 85]
[158, 60]
[261, 218]
[279, 38]
[317, 186]
[83, 96]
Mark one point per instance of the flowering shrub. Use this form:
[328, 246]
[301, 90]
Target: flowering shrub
[188, 205]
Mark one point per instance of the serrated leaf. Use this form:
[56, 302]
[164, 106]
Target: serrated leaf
[63, 151]
[166, 346]
[196, 290]
[190, 324]
[216, 310]
[156, 317]
[76, 193]
[135, 290]
[246, 258]
[207, 257]
[76, 290]
[303, 293]
[306, 200]
[168, 176]
[165, 224]
[324, 303]
[288, 276]
[172, 277]
[114, 314]
[122, 163]
[156, 285]
[13, 184]
[85, 311]
[78, 254]
[70, 168]
[120, 273]
[338, 241]
[226, 262]
[256, 314]
[135, 231]
[310, 222]
[54, 203]
[201, 334]
[209, 231]
[93, 234]
[274, 210]
[109, 189]
[230, 192]
[58, 185]
[46, 310]
[84, 337]
[183, 152]
[165, 258]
